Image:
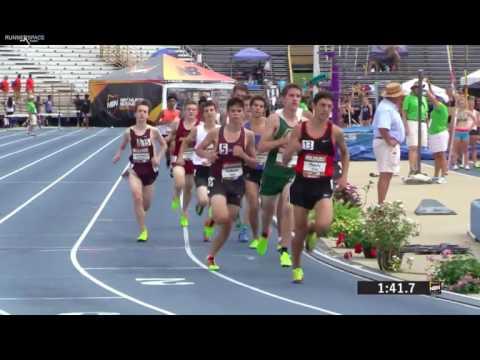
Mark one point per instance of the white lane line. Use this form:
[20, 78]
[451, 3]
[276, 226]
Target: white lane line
[81, 270]
[12, 135]
[145, 268]
[36, 145]
[63, 182]
[62, 298]
[45, 189]
[49, 155]
[199, 263]
[27, 137]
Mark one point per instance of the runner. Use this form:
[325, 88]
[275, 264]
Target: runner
[239, 91]
[201, 165]
[315, 141]
[235, 146]
[165, 120]
[276, 178]
[475, 132]
[253, 176]
[32, 115]
[183, 175]
[144, 162]
[465, 122]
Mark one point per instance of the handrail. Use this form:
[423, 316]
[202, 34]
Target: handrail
[194, 55]
[290, 68]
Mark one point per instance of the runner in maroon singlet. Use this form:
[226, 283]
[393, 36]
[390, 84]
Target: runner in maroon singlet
[235, 147]
[144, 162]
[183, 174]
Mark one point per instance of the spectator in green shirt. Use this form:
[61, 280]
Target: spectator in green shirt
[32, 115]
[410, 120]
[438, 137]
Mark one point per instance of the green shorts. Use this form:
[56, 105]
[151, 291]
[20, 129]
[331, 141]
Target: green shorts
[273, 185]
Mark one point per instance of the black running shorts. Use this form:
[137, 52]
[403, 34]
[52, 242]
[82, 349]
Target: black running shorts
[306, 193]
[202, 173]
[232, 190]
[253, 175]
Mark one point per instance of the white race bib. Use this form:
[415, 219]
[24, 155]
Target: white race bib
[141, 155]
[188, 154]
[314, 166]
[291, 164]
[262, 159]
[232, 171]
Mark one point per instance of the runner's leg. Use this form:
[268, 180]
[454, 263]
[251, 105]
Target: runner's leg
[137, 192]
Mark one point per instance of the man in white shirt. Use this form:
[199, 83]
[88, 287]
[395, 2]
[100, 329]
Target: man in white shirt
[388, 133]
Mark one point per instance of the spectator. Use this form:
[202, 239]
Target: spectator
[86, 110]
[410, 118]
[464, 123]
[474, 133]
[30, 84]
[9, 111]
[32, 115]
[17, 87]
[48, 108]
[389, 133]
[366, 112]
[346, 111]
[393, 57]
[38, 106]
[78, 107]
[5, 86]
[438, 137]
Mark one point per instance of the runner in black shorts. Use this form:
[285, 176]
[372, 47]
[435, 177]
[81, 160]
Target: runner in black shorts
[144, 162]
[201, 165]
[253, 176]
[315, 141]
[235, 146]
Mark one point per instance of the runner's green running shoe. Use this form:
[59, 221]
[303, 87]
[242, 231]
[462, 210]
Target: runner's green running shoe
[262, 246]
[253, 244]
[175, 203]
[143, 235]
[208, 232]
[285, 260]
[312, 240]
[297, 275]
[212, 266]
[183, 221]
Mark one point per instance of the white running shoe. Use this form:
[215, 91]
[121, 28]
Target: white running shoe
[441, 180]
[467, 167]
[455, 167]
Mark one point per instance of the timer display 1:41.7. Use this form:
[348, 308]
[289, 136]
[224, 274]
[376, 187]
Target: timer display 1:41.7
[398, 288]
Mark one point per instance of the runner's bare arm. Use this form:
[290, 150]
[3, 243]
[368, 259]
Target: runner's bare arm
[161, 142]
[123, 144]
[344, 156]
[293, 146]
[267, 143]
[186, 142]
[201, 150]
[249, 155]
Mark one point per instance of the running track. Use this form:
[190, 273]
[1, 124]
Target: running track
[67, 243]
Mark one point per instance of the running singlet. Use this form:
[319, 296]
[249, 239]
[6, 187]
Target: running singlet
[261, 157]
[142, 151]
[317, 157]
[273, 166]
[181, 134]
[227, 166]
[201, 135]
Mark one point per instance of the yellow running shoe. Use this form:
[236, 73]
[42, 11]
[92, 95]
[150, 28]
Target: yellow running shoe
[253, 244]
[297, 275]
[212, 266]
[312, 240]
[285, 260]
[208, 232]
[175, 204]
[262, 246]
[183, 221]
[143, 235]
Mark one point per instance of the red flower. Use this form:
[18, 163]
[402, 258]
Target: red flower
[348, 255]
[373, 252]
[358, 248]
[341, 237]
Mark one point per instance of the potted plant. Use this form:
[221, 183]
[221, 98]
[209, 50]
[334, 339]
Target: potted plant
[388, 229]
[347, 220]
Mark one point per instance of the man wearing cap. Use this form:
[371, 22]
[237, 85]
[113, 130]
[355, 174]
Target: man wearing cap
[410, 121]
[388, 133]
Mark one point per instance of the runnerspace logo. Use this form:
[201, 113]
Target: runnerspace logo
[25, 38]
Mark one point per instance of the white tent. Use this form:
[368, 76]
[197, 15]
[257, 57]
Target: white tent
[438, 91]
[472, 78]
